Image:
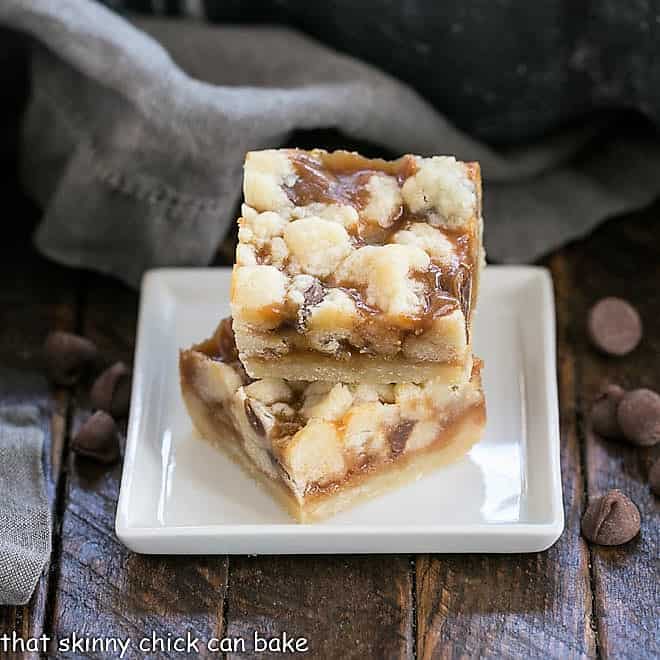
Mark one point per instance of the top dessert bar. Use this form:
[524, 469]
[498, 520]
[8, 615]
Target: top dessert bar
[354, 269]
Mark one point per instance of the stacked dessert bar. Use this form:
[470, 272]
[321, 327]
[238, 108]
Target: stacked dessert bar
[347, 369]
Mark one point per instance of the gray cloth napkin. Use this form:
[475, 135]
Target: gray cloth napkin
[135, 135]
[24, 513]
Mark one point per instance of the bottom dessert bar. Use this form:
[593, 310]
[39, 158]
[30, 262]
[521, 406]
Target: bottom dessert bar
[321, 447]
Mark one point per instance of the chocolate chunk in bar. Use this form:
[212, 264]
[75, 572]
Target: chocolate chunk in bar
[226, 341]
[399, 435]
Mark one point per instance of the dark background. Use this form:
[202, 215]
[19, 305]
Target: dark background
[505, 71]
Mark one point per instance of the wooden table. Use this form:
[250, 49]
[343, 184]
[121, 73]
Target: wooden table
[574, 600]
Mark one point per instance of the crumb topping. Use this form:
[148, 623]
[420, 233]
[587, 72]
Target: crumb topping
[330, 244]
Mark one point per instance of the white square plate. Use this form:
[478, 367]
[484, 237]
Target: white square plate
[178, 495]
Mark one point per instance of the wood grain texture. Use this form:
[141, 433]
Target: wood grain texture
[515, 606]
[540, 605]
[102, 588]
[347, 607]
[622, 259]
[35, 297]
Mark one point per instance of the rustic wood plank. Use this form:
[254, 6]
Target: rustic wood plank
[35, 297]
[345, 606]
[103, 589]
[623, 259]
[535, 605]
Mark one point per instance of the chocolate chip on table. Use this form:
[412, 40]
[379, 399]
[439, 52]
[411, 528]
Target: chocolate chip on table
[603, 415]
[67, 356]
[654, 477]
[639, 417]
[121, 399]
[112, 390]
[97, 438]
[611, 519]
[614, 326]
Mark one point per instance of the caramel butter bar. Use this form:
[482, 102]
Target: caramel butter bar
[322, 447]
[351, 269]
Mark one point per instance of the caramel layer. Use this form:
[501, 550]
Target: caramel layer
[340, 177]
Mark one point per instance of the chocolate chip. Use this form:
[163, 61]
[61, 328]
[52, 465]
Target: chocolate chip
[654, 477]
[112, 390]
[398, 436]
[121, 400]
[614, 326]
[226, 341]
[604, 412]
[97, 438]
[254, 420]
[639, 417]
[611, 519]
[312, 295]
[67, 356]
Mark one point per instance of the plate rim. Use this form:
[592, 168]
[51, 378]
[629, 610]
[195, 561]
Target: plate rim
[546, 533]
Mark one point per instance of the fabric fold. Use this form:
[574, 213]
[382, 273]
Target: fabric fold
[136, 131]
[25, 523]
